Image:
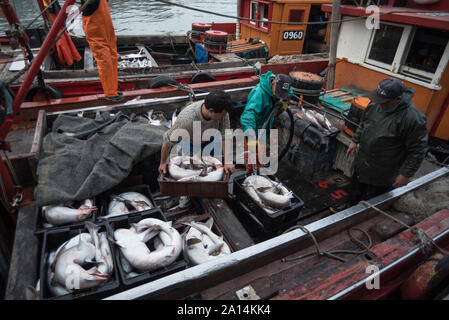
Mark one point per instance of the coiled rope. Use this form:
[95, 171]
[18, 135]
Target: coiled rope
[425, 240]
[332, 254]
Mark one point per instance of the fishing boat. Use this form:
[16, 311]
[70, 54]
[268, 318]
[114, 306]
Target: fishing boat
[279, 273]
[188, 58]
[329, 251]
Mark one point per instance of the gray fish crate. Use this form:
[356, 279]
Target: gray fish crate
[204, 189]
[274, 222]
[40, 220]
[52, 239]
[105, 199]
[148, 276]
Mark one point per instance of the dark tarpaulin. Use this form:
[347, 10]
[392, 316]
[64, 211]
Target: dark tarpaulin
[82, 157]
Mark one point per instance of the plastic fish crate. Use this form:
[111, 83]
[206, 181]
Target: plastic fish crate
[104, 199]
[52, 239]
[125, 222]
[205, 189]
[40, 220]
[271, 222]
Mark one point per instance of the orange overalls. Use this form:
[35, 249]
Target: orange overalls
[100, 35]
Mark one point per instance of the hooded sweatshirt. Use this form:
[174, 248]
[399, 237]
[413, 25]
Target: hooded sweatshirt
[391, 142]
[259, 105]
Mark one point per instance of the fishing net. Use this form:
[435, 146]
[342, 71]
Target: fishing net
[82, 157]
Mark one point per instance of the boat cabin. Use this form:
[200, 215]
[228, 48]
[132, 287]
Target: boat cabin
[410, 44]
[285, 39]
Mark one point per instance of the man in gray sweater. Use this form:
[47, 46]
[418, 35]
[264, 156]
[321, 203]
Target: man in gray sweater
[193, 121]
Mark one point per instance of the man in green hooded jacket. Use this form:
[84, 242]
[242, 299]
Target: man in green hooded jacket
[391, 141]
[271, 92]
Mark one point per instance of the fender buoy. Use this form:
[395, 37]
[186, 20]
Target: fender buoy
[426, 278]
[203, 77]
[36, 93]
[162, 81]
[306, 80]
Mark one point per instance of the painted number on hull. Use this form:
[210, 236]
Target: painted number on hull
[292, 35]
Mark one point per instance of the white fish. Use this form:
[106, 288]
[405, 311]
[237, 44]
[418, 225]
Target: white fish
[69, 264]
[178, 167]
[33, 293]
[102, 266]
[173, 117]
[74, 241]
[132, 246]
[171, 239]
[127, 267]
[210, 169]
[268, 194]
[157, 119]
[106, 252]
[55, 288]
[201, 244]
[137, 200]
[322, 120]
[58, 215]
[310, 116]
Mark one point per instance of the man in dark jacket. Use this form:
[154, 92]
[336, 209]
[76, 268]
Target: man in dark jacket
[391, 141]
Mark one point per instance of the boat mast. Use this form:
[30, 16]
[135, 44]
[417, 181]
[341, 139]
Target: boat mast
[237, 27]
[333, 45]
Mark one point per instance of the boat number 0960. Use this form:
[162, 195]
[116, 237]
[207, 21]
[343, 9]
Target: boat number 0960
[292, 35]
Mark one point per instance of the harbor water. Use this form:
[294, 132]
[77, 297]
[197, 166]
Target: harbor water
[133, 17]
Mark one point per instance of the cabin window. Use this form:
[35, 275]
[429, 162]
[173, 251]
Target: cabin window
[425, 52]
[296, 16]
[384, 45]
[254, 8]
[264, 15]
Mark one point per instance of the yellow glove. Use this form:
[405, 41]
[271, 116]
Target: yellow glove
[283, 106]
[252, 144]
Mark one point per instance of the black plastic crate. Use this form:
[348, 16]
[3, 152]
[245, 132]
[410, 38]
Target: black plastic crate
[52, 239]
[271, 222]
[125, 222]
[105, 198]
[40, 220]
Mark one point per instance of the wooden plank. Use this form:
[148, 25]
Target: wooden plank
[341, 94]
[24, 267]
[228, 223]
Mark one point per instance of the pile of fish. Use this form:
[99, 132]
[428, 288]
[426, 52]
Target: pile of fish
[134, 244]
[67, 265]
[186, 168]
[201, 244]
[271, 196]
[317, 119]
[158, 118]
[63, 214]
[134, 61]
[127, 202]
